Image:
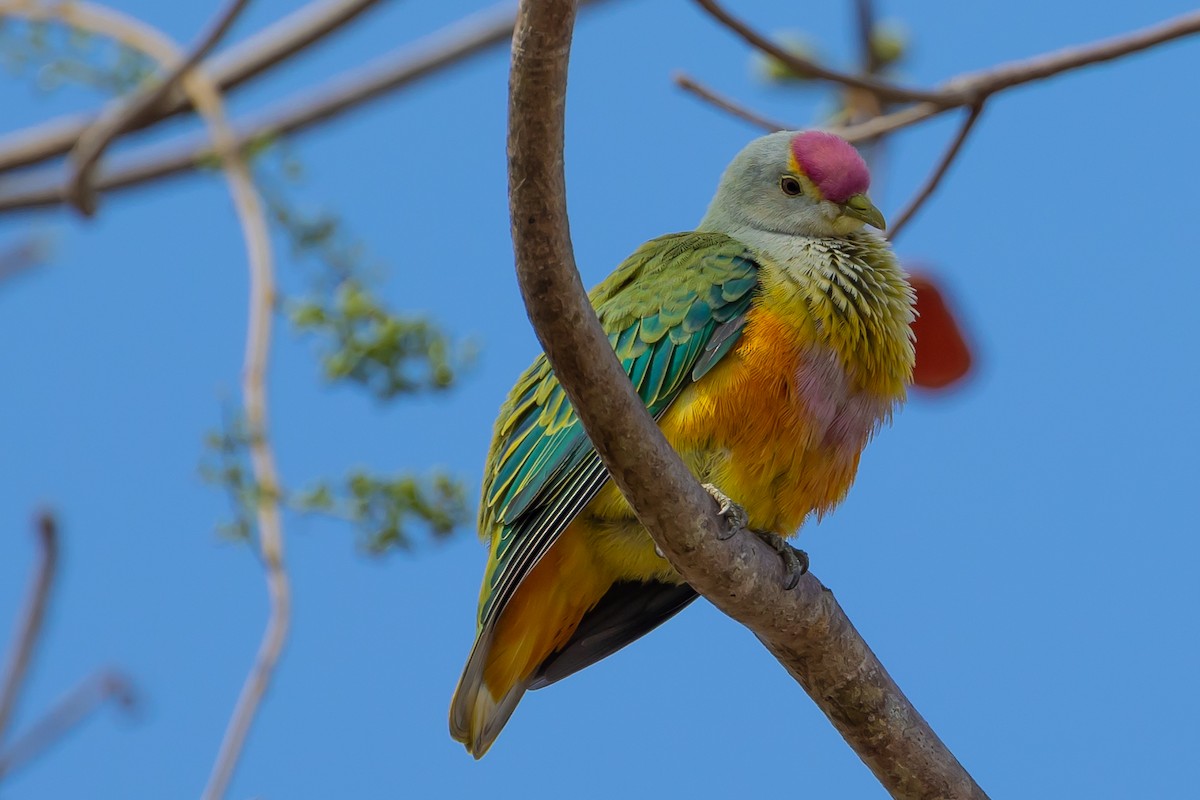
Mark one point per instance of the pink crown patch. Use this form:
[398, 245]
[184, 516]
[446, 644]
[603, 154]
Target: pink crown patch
[832, 164]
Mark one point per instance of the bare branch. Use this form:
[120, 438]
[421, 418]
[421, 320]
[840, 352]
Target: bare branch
[228, 70]
[938, 173]
[971, 89]
[66, 715]
[689, 84]
[31, 618]
[467, 37]
[878, 126]
[742, 576]
[802, 66]
[124, 114]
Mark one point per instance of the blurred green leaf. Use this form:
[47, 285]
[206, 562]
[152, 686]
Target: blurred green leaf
[796, 43]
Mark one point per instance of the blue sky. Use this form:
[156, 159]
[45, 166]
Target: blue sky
[1021, 554]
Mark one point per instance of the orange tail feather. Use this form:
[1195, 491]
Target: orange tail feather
[539, 619]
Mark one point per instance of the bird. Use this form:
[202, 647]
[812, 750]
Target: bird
[770, 344]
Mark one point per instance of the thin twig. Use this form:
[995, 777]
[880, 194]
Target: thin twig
[804, 628]
[884, 90]
[689, 84]
[864, 24]
[123, 114]
[207, 99]
[935, 177]
[878, 126]
[76, 706]
[22, 257]
[32, 617]
[228, 70]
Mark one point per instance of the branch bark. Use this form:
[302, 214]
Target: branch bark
[804, 628]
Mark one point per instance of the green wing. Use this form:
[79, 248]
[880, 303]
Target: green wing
[671, 311]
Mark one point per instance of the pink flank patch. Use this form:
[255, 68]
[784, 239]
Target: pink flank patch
[832, 164]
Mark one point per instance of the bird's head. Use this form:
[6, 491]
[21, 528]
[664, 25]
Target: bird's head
[809, 183]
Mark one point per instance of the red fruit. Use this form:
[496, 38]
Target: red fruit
[943, 355]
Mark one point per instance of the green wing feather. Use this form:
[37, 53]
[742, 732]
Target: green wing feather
[671, 311]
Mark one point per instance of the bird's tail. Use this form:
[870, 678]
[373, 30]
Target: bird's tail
[536, 622]
[477, 714]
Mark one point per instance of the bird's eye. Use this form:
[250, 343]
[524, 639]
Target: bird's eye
[790, 185]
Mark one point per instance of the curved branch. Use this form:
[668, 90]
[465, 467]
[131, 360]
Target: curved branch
[126, 113]
[805, 628]
[207, 99]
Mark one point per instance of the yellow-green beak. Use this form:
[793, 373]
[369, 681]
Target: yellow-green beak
[859, 207]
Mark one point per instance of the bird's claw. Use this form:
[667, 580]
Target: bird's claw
[795, 562]
[735, 516]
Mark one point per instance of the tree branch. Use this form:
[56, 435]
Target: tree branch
[123, 114]
[802, 66]
[938, 173]
[742, 576]
[973, 88]
[44, 187]
[31, 619]
[74, 708]
[228, 70]
[689, 84]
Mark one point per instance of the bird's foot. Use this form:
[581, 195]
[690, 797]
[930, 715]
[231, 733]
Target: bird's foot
[735, 516]
[795, 562]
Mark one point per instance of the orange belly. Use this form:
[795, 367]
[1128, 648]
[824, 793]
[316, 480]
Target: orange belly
[779, 426]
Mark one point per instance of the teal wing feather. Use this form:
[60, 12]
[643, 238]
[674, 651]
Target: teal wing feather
[671, 311]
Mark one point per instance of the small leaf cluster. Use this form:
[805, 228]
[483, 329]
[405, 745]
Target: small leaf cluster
[384, 509]
[226, 465]
[361, 340]
[59, 55]
[888, 43]
[386, 353]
